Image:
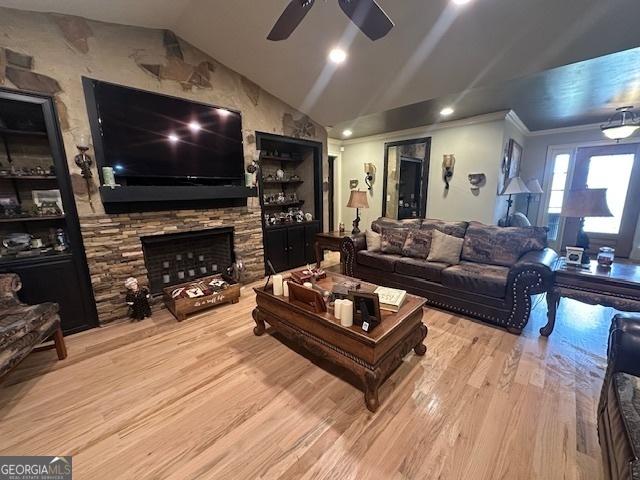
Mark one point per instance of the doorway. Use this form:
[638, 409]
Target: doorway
[614, 167]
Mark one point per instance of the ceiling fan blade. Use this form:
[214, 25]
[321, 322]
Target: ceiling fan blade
[368, 17]
[290, 19]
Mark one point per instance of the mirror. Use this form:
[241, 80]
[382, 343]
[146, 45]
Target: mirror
[406, 178]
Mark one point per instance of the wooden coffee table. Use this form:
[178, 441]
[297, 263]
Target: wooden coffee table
[371, 357]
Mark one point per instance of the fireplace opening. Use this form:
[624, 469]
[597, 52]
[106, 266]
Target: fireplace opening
[182, 257]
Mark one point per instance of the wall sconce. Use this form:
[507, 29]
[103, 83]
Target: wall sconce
[370, 172]
[448, 162]
[477, 180]
[84, 161]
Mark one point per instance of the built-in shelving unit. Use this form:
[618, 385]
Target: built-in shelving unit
[290, 186]
[41, 241]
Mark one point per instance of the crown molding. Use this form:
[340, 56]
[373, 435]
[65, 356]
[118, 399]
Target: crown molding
[575, 128]
[517, 122]
[426, 129]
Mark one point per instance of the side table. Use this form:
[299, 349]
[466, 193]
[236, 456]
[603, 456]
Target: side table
[617, 287]
[329, 241]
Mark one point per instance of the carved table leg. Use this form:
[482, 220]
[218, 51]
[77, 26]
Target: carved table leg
[260, 327]
[318, 254]
[421, 348]
[553, 300]
[372, 381]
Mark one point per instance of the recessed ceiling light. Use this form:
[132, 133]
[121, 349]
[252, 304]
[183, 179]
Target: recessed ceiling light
[173, 138]
[347, 133]
[195, 126]
[445, 112]
[460, 2]
[224, 112]
[337, 55]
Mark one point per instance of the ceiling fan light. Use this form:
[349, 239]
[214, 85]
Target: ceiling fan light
[621, 125]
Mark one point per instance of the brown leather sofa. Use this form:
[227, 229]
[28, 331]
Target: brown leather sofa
[619, 407]
[499, 271]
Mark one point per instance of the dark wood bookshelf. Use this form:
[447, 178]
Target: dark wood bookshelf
[282, 182]
[28, 177]
[11, 131]
[280, 159]
[299, 203]
[7, 260]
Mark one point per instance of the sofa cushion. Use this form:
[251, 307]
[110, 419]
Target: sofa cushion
[377, 260]
[445, 248]
[501, 245]
[392, 240]
[17, 320]
[490, 280]
[414, 267]
[455, 229]
[417, 244]
[385, 222]
[627, 389]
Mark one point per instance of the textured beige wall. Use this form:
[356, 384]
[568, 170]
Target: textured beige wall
[66, 48]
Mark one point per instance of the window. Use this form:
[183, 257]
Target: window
[612, 172]
[556, 196]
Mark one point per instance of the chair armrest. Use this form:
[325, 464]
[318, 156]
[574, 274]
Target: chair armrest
[624, 344]
[349, 247]
[545, 258]
[539, 266]
[10, 284]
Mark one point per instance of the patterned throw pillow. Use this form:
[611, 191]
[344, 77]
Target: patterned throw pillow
[417, 244]
[455, 229]
[392, 240]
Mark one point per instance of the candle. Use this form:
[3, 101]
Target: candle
[277, 285]
[307, 284]
[108, 177]
[346, 313]
[337, 307]
[285, 288]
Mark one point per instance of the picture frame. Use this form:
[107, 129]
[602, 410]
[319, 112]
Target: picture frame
[366, 310]
[47, 196]
[511, 163]
[307, 298]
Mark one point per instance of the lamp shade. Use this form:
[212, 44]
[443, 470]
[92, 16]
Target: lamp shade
[534, 186]
[590, 202]
[515, 186]
[358, 199]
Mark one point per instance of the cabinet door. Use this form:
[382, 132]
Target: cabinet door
[310, 242]
[275, 241]
[296, 246]
[58, 282]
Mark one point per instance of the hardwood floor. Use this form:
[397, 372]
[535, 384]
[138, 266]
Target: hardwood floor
[207, 399]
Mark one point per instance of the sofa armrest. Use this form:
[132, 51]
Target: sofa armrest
[10, 284]
[541, 264]
[624, 344]
[349, 247]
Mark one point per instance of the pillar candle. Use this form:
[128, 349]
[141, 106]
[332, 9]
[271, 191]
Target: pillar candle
[307, 284]
[285, 289]
[346, 313]
[277, 285]
[337, 307]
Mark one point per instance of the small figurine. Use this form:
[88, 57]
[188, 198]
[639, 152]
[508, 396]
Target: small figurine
[138, 300]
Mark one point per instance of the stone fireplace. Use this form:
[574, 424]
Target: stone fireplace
[115, 251]
[181, 257]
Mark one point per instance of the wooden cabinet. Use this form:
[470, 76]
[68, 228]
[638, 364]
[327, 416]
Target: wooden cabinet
[291, 246]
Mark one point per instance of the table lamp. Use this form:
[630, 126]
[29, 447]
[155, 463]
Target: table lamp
[516, 186]
[357, 200]
[589, 202]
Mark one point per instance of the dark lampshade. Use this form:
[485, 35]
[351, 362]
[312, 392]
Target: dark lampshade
[591, 202]
[358, 199]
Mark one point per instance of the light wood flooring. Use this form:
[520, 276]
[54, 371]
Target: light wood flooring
[208, 399]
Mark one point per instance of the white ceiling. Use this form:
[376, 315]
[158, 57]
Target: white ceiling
[436, 48]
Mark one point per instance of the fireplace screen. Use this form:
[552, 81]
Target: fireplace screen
[181, 257]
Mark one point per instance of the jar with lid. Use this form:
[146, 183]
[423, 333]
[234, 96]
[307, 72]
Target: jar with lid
[605, 257]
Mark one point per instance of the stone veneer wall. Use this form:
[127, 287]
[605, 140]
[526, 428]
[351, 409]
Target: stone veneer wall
[50, 53]
[114, 249]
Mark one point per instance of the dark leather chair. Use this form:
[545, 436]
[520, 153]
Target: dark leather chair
[619, 407]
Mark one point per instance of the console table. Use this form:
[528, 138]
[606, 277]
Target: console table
[617, 287]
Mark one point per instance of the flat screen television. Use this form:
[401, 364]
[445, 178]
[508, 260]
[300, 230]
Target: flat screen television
[145, 135]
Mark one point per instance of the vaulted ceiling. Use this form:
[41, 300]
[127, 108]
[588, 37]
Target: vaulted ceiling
[436, 48]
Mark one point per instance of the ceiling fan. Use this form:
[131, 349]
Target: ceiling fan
[366, 14]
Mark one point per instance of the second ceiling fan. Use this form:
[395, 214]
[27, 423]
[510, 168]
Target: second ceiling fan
[365, 14]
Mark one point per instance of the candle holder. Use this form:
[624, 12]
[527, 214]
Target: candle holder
[84, 161]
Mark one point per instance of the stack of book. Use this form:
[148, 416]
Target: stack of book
[391, 299]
